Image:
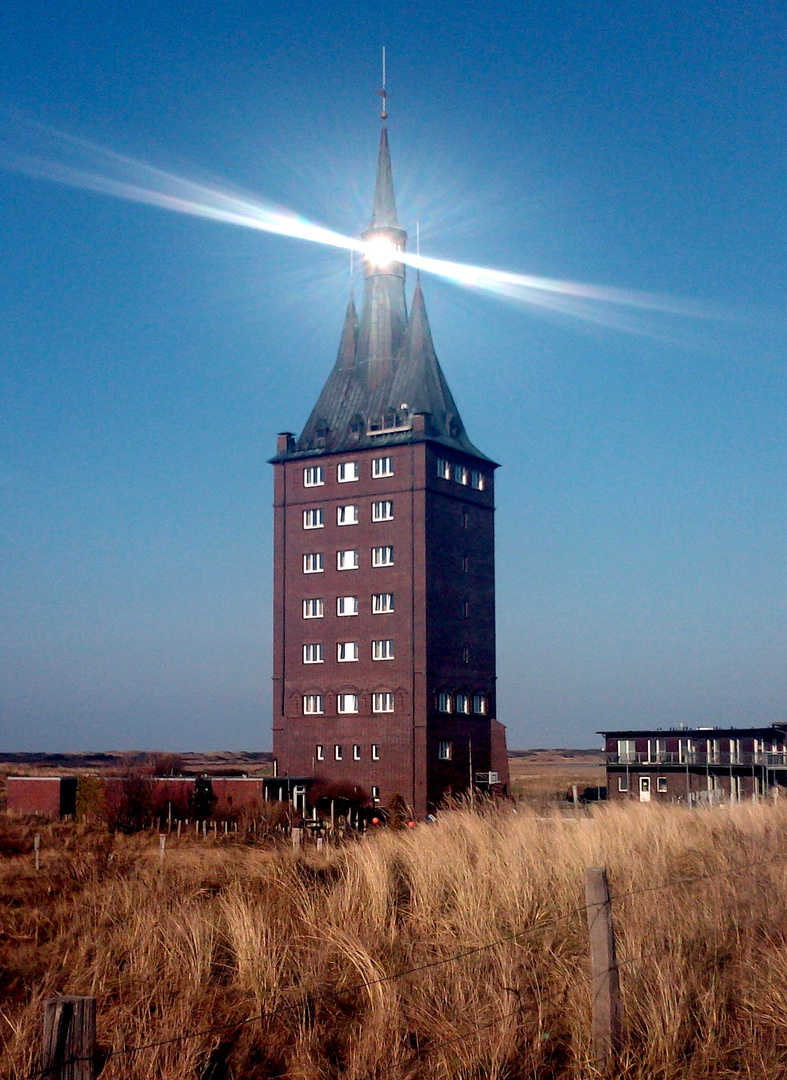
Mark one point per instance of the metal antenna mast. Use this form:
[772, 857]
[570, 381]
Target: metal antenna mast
[383, 92]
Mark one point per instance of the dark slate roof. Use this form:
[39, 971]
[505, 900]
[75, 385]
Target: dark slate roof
[386, 370]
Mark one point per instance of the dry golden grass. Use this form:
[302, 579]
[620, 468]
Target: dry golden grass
[544, 776]
[226, 932]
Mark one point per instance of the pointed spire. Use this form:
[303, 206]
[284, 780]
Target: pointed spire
[349, 338]
[384, 208]
[418, 340]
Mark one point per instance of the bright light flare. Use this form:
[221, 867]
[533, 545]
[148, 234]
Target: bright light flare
[80, 164]
[380, 252]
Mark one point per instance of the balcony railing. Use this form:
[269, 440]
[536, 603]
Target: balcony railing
[699, 757]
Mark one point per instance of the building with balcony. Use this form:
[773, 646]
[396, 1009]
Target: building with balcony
[696, 765]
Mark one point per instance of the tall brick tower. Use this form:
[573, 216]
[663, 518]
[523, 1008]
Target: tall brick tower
[384, 602]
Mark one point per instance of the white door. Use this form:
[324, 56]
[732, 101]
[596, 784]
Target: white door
[644, 789]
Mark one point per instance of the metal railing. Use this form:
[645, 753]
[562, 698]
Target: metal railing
[699, 757]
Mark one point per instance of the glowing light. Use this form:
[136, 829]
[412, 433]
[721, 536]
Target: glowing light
[380, 252]
[77, 163]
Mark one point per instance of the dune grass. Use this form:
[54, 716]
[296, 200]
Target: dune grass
[294, 966]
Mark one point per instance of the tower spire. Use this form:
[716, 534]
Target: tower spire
[384, 93]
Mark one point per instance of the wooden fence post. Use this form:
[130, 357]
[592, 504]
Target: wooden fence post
[68, 1049]
[575, 796]
[162, 844]
[606, 1004]
[37, 850]
[297, 841]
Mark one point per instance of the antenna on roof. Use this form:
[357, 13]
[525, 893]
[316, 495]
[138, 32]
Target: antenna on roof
[384, 93]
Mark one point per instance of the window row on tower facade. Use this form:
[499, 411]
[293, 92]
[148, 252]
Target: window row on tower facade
[314, 516]
[314, 607]
[348, 651]
[349, 704]
[348, 559]
[460, 474]
[339, 751]
[462, 703]
[348, 471]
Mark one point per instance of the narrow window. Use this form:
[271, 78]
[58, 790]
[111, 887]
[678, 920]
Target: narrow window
[347, 515]
[313, 609]
[461, 475]
[312, 703]
[623, 783]
[466, 609]
[319, 752]
[313, 476]
[313, 563]
[382, 702]
[477, 480]
[337, 752]
[479, 704]
[347, 703]
[443, 469]
[347, 472]
[382, 602]
[356, 752]
[312, 654]
[465, 654]
[463, 703]
[375, 793]
[444, 750]
[661, 784]
[347, 560]
[382, 510]
[382, 556]
[346, 605]
[465, 564]
[313, 519]
[465, 519]
[346, 651]
[375, 752]
[383, 650]
[382, 466]
[444, 702]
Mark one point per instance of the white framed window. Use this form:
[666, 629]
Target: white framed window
[338, 752]
[347, 515]
[382, 466]
[312, 703]
[346, 605]
[346, 651]
[313, 563]
[383, 702]
[443, 469]
[443, 702]
[375, 793]
[347, 703]
[312, 654]
[461, 475]
[382, 556]
[356, 752]
[375, 752]
[347, 560]
[627, 751]
[319, 752]
[383, 649]
[479, 704]
[313, 476]
[382, 602]
[313, 519]
[477, 480]
[623, 783]
[462, 703]
[313, 609]
[661, 784]
[444, 749]
[347, 472]
[382, 510]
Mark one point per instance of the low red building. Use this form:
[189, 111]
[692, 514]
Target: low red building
[695, 765]
[48, 796]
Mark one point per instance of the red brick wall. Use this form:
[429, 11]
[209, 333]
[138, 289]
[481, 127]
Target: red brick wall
[236, 793]
[34, 795]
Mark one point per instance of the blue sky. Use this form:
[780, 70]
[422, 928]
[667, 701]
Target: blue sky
[150, 358]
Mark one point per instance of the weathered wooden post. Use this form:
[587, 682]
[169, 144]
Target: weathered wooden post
[68, 1049]
[607, 1012]
[37, 850]
[296, 839]
[179, 824]
[162, 843]
[575, 796]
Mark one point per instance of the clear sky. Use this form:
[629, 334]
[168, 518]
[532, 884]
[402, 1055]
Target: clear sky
[149, 358]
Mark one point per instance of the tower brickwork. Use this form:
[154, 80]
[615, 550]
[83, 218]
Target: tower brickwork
[384, 616]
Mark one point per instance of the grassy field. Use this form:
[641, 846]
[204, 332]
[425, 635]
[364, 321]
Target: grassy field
[452, 950]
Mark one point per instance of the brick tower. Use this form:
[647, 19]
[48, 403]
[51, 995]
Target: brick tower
[384, 603]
